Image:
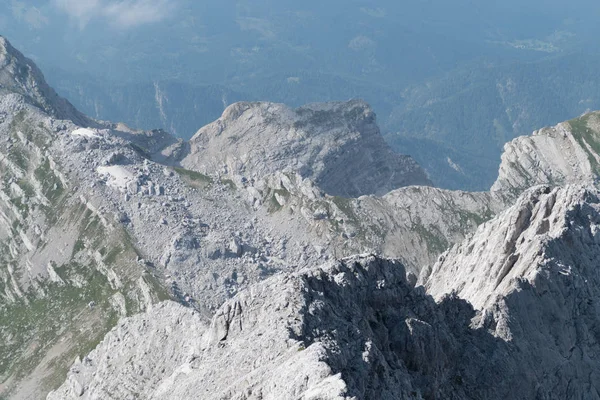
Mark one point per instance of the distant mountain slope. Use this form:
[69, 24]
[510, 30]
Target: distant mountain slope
[338, 145]
[173, 106]
[468, 114]
[454, 125]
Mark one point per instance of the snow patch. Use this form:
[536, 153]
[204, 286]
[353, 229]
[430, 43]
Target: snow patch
[118, 176]
[85, 133]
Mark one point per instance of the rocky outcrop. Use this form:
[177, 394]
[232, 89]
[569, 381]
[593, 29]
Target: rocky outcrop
[337, 145]
[566, 153]
[533, 273]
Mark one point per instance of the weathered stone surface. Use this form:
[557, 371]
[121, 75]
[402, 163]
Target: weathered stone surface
[357, 328]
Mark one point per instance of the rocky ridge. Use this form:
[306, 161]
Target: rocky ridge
[19, 75]
[533, 274]
[351, 329]
[513, 315]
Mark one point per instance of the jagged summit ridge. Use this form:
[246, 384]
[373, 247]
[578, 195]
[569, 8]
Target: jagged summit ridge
[520, 243]
[350, 329]
[338, 145]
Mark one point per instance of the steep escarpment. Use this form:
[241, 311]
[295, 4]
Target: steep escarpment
[337, 145]
[533, 274]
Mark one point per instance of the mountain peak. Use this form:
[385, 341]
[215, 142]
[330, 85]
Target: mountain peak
[20, 75]
[337, 144]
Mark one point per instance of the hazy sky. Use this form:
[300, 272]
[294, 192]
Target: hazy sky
[218, 40]
[122, 14]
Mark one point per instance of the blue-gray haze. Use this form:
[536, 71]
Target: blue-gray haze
[451, 81]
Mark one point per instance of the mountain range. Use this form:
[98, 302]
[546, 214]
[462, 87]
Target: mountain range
[450, 83]
[135, 264]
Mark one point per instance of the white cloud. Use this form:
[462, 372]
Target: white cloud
[120, 13]
[139, 12]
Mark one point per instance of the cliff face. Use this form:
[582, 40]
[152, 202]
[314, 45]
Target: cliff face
[533, 274]
[337, 145]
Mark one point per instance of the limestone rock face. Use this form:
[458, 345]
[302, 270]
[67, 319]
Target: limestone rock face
[566, 153]
[514, 245]
[337, 145]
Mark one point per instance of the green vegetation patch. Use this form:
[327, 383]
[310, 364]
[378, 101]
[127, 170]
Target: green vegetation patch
[194, 179]
[228, 183]
[38, 134]
[33, 325]
[52, 186]
[345, 205]
[582, 132]
[56, 322]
